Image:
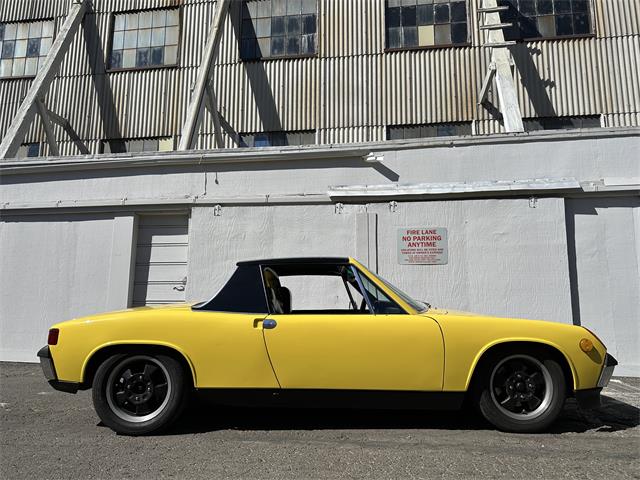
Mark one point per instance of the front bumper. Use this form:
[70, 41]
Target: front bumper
[49, 370]
[607, 371]
[588, 399]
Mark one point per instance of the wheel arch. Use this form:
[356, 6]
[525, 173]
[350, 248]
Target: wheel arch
[507, 345]
[101, 353]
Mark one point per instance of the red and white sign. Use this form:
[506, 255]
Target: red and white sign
[422, 246]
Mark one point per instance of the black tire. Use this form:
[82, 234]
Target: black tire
[521, 392]
[137, 394]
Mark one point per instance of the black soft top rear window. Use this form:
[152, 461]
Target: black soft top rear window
[243, 293]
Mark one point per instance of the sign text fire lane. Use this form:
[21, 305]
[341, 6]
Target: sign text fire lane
[422, 246]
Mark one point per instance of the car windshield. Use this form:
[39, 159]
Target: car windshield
[418, 306]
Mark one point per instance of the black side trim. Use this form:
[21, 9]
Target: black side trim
[610, 361]
[67, 387]
[356, 399]
[588, 399]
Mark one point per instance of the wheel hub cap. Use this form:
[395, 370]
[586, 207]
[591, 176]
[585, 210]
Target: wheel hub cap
[139, 389]
[521, 387]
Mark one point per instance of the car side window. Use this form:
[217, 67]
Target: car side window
[380, 302]
[321, 294]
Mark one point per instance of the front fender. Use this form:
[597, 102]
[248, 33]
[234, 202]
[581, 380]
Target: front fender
[503, 341]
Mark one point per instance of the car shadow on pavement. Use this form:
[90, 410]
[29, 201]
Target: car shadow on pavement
[203, 416]
[612, 416]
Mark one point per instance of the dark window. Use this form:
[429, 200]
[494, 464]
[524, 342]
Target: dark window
[277, 139]
[159, 144]
[145, 39]
[278, 28]
[24, 47]
[380, 302]
[401, 132]
[546, 18]
[561, 123]
[28, 150]
[426, 23]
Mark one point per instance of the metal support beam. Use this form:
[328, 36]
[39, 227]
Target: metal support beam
[21, 122]
[64, 123]
[486, 84]
[194, 117]
[212, 104]
[48, 128]
[501, 61]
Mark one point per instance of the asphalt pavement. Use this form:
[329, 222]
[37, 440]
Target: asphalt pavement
[48, 434]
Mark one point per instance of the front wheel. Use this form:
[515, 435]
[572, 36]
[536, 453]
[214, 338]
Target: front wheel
[522, 393]
[139, 394]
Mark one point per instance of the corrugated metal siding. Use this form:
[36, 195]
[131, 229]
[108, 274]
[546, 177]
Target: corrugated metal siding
[350, 92]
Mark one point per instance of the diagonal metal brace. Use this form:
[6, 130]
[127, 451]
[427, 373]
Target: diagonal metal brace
[212, 105]
[194, 111]
[486, 84]
[21, 122]
[66, 126]
[48, 128]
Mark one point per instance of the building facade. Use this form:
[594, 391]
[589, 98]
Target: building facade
[341, 123]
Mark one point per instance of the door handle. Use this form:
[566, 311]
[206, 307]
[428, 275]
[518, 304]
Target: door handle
[269, 324]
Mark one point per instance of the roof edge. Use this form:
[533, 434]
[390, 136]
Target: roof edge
[328, 152]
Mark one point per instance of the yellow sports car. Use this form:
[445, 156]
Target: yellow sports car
[322, 332]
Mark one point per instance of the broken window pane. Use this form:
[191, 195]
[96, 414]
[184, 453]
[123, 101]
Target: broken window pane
[546, 18]
[23, 47]
[277, 139]
[449, 17]
[400, 132]
[145, 39]
[286, 27]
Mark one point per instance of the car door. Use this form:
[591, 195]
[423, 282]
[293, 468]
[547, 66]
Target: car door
[355, 351]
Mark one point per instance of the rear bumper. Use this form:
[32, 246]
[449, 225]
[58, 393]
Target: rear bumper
[49, 370]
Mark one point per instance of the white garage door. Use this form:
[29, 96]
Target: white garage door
[161, 259]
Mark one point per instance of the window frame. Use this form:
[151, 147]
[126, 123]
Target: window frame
[271, 132]
[112, 24]
[363, 291]
[573, 36]
[529, 120]
[53, 39]
[104, 141]
[279, 57]
[388, 49]
[434, 124]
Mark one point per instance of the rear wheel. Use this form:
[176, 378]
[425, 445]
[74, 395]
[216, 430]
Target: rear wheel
[139, 394]
[522, 392]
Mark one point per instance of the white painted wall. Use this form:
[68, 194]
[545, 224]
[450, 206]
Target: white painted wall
[588, 158]
[607, 246]
[505, 258]
[246, 233]
[54, 268]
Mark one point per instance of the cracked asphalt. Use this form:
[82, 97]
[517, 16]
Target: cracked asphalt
[48, 434]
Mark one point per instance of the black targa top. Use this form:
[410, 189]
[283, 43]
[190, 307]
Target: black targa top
[244, 292]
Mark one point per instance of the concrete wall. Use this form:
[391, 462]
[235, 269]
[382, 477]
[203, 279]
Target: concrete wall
[604, 263]
[57, 267]
[290, 174]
